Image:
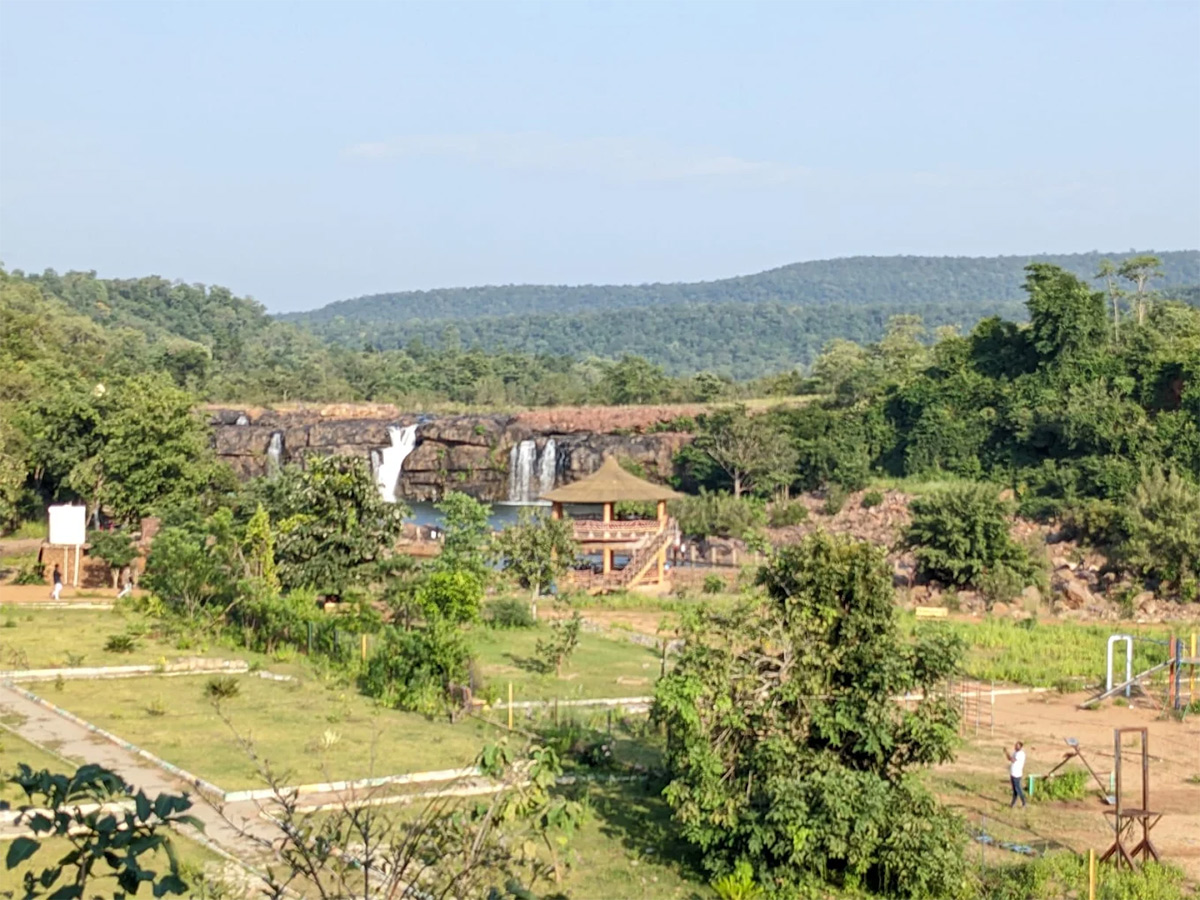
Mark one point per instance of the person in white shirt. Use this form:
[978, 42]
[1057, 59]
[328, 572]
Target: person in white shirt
[1016, 771]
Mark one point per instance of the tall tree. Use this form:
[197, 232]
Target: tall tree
[536, 551]
[1140, 271]
[786, 748]
[1067, 317]
[751, 450]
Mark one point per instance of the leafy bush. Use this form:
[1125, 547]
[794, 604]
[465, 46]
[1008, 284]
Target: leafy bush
[30, 573]
[1070, 784]
[120, 643]
[509, 612]
[1064, 874]
[785, 513]
[835, 499]
[871, 499]
[451, 595]
[961, 532]
[114, 547]
[222, 687]
[1164, 531]
[554, 651]
[738, 884]
[719, 515]
[412, 670]
[713, 584]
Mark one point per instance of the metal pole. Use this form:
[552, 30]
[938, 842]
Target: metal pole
[510, 706]
[1091, 875]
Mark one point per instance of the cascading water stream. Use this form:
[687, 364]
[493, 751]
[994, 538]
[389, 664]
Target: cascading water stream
[275, 452]
[521, 459]
[391, 460]
[547, 469]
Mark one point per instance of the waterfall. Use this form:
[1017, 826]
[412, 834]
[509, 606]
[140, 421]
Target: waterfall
[520, 472]
[547, 469]
[243, 419]
[391, 460]
[275, 452]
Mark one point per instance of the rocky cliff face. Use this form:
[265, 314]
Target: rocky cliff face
[495, 457]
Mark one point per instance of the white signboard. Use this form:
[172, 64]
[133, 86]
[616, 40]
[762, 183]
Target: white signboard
[68, 525]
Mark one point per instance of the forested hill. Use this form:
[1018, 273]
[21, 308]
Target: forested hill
[901, 282]
[738, 327]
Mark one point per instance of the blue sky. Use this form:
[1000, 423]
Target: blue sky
[304, 153]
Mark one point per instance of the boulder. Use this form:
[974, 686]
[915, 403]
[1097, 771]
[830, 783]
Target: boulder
[1075, 594]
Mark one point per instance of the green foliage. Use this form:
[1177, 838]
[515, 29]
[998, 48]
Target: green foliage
[755, 455]
[718, 515]
[30, 573]
[114, 547]
[801, 790]
[413, 670]
[120, 643]
[835, 499]
[110, 845]
[871, 499]
[1164, 531]
[508, 612]
[222, 687]
[738, 884]
[713, 584]
[331, 526]
[1065, 874]
[467, 535]
[537, 551]
[784, 513]
[961, 532]
[451, 595]
[1069, 784]
[556, 650]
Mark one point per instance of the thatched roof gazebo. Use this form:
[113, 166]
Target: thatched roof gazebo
[643, 540]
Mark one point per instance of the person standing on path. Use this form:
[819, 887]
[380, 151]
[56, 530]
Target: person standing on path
[57, 576]
[1016, 771]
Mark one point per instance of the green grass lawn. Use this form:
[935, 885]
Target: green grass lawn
[311, 732]
[51, 638]
[601, 667]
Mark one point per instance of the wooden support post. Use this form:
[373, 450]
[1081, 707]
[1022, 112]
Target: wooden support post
[78, 550]
[66, 572]
[364, 646]
[510, 706]
[1171, 669]
[1091, 875]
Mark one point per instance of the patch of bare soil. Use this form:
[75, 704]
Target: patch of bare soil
[976, 784]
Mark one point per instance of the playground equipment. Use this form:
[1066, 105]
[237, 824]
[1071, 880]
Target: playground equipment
[1177, 659]
[1126, 819]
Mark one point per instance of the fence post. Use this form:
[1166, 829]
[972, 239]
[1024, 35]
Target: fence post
[308, 628]
[1091, 874]
[364, 646]
[510, 706]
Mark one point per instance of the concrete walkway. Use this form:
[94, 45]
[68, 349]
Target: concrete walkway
[45, 728]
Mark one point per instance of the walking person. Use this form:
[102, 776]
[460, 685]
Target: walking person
[57, 576]
[1016, 771]
[127, 586]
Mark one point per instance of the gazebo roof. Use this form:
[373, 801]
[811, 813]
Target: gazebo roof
[609, 484]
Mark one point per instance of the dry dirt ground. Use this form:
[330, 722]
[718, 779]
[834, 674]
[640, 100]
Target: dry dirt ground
[976, 784]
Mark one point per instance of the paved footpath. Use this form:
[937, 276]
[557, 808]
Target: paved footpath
[43, 727]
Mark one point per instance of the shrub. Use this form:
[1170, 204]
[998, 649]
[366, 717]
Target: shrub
[738, 884]
[785, 513]
[1068, 785]
[719, 515]
[120, 643]
[30, 573]
[835, 499]
[508, 612]
[713, 584]
[554, 651]
[871, 499]
[222, 687]
[1000, 584]
[961, 532]
[451, 595]
[412, 669]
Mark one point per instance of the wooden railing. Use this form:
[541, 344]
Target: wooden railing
[634, 529]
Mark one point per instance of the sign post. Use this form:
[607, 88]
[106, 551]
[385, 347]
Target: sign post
[68, 528]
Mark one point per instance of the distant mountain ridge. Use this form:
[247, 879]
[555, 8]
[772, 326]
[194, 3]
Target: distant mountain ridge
[741, 327]
[897, 281]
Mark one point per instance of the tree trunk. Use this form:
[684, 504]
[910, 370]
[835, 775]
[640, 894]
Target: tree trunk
[533, 595]
[737, 486]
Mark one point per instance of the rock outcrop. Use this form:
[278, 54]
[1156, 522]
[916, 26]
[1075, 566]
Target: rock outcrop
[477, 454]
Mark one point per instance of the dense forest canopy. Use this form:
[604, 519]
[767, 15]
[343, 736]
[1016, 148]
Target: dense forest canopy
[741, 327]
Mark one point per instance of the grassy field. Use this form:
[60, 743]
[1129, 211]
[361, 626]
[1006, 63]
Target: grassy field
[601, 667]
[1044, 654]
[305, 730]
[64, 637]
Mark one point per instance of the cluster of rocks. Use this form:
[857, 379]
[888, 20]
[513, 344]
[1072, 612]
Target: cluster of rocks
[469, 453]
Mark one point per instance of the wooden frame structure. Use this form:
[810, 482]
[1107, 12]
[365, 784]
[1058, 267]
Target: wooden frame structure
[643, 541]
[1126, 821]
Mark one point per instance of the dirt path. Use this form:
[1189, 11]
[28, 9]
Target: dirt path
[978, 778]
[46, 728]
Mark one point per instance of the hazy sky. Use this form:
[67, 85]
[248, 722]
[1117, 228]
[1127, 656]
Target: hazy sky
[303, 153]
